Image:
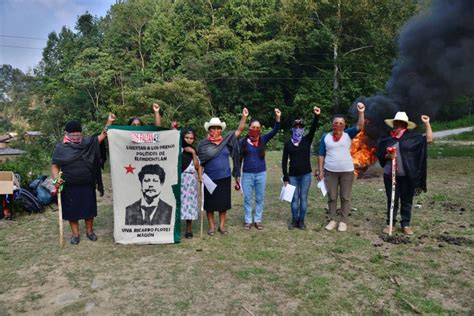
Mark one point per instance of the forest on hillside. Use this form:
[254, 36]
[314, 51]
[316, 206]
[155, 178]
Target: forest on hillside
[207, 57]
[210, 57]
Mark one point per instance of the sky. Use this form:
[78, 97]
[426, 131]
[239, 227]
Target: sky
[25, 25]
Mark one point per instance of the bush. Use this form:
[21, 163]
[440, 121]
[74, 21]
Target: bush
[30, 165]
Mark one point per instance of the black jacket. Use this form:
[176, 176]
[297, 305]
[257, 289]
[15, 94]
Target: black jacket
[413, 148]
[162, 216]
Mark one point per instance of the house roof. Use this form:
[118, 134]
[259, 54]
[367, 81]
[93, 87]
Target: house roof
[11, 152]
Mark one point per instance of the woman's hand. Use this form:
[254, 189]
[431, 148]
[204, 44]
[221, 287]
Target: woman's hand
[316, 111]
[360, 107]
[190, 150]
[391, 153]
[429, 132]
[111, 119]
[156, 107]
[321, 175]
[243, 121]
[277, 115]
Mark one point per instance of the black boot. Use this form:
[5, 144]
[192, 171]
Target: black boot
[293, 224]
[301, 224]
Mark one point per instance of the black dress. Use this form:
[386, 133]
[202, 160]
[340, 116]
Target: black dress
[80, 164]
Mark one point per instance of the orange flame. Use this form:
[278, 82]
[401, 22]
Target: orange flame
[363, 155]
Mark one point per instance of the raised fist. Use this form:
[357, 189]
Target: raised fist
[360, 107]
[156, 107]
[425, 119]
[316, 110]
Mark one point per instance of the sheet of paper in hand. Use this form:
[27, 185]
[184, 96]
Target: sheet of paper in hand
[287, 192]
[146, 178]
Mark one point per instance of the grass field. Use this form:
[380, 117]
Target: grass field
[274, 271]
[462, 122]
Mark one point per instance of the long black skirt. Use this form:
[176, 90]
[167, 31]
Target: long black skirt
[219, 200]
[79, 201]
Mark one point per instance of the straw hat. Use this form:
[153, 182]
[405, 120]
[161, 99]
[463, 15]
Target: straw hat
[401, 116]
[215, 121]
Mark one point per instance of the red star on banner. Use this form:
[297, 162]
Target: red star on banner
[129, 169]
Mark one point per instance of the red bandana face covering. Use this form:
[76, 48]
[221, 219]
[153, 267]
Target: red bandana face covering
[398, 133]
[75, 138]
[254, 137]
[337, 131]
[215, 136]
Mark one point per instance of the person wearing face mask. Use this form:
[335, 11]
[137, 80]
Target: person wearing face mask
[214, 152]
[336, 167]
[410, 156]
[136, 121]
[189, 184]
[254, 177]
[298, 150]
[78, 158]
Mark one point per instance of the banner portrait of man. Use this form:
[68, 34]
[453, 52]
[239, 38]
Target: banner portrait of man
[149, 209]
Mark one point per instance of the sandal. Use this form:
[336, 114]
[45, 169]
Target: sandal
[222, 231]
[247, 226]
[258, 226]
[210, 232]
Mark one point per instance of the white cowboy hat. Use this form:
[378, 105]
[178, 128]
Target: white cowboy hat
[401, 116]
[215, 121]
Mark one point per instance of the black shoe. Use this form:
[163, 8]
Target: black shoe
[92, 236]
[188, 235]
[301, 224]
[75, 240]
[293, 225]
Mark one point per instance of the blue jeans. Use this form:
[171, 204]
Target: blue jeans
[254, 182]
[299, 204]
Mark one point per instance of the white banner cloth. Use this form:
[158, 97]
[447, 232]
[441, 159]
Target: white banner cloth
[145, 170]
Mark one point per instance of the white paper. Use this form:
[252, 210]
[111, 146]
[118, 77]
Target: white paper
[322, 187]
[287, 192]
[210, 185]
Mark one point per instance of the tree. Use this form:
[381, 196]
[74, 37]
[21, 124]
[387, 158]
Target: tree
[92, 73]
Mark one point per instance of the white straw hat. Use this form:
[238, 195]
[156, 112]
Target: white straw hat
[215, 121]
[401, 116]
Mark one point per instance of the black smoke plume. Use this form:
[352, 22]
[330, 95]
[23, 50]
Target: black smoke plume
[435, 65]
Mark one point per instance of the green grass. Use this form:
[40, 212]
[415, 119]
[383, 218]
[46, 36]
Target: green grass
[444, 150]
[462, 122]
[467, 136]
[273, 271]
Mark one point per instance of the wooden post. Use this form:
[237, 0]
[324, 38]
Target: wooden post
[60, 214]
[394, 187]
[202, 206]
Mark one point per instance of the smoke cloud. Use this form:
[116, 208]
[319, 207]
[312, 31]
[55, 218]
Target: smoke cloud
[435, 65]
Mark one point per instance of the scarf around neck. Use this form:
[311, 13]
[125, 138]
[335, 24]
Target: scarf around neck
[254, 137]
[69, 138]
[398, 133]
[215, 136]
[296, 135]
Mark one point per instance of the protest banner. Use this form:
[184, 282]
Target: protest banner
[146, 178]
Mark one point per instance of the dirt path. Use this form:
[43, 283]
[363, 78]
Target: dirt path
[442, 134]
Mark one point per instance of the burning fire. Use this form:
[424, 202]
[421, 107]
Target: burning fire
[363, 155]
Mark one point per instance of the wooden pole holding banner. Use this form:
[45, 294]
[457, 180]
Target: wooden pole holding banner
[60, 210]
[394, 187]
[202, 207]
